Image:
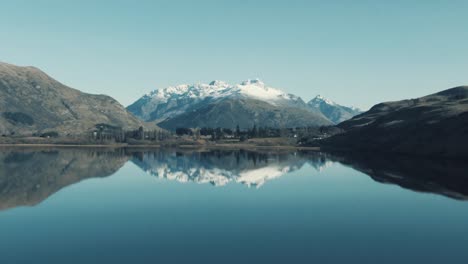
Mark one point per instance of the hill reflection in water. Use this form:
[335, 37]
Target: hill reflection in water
[29, 176]
[440, 176]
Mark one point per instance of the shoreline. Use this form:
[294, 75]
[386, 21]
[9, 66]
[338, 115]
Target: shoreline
[214, 146]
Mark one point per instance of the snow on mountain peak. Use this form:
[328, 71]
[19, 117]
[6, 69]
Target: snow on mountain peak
[219, 83]
[253, 88]
[214, 89]
[257, 89]
[320, 99]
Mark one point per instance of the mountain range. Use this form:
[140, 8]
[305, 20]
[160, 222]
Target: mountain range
[31, 102]
[219, 104]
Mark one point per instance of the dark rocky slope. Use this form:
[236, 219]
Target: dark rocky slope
[434, 125]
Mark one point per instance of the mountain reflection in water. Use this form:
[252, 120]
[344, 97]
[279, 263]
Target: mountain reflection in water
[29, 176]
[221, 167]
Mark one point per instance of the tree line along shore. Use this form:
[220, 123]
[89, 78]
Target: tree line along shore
[107, 135]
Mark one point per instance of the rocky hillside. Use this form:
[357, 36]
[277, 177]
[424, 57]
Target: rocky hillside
[435, 125]
[31, 102]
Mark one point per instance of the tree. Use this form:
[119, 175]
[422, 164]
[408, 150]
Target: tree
[227, 131]
[254, 132]
[181, 131]
[219, 133]
[262, 132]
[197, 134]
[141, 133]
[237, 131]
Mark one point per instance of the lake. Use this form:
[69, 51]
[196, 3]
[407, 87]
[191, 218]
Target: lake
[221, 206]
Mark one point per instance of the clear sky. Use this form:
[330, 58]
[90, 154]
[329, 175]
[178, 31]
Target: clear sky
[354, 52]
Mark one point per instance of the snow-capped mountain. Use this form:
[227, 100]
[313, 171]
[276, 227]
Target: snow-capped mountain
[219, 104]
[333, 111]
[174, 100]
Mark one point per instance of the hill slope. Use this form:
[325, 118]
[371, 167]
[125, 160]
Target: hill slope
[32, 102]
[435, 125]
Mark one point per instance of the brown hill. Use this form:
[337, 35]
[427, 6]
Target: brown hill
[31, 102]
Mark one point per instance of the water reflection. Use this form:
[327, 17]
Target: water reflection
[222, 167]
[29, 176]
[445, 177]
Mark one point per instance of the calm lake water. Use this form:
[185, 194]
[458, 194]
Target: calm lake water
[167, 206]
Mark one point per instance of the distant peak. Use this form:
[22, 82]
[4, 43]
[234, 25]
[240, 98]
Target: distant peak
[323, 99]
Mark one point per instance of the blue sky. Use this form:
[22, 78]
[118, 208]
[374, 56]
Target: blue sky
[354, 52]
